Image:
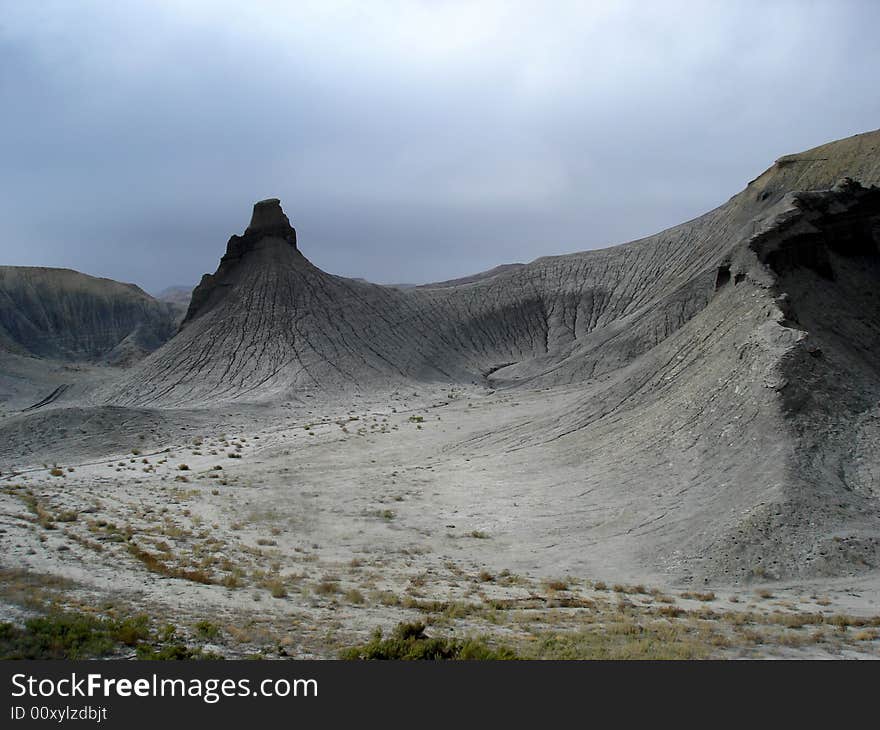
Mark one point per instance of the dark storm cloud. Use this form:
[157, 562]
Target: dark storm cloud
[407, 141]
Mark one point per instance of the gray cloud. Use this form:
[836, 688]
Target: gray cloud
[408, 141]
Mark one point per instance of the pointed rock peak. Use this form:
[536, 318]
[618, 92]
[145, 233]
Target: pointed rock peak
[268, 217]
[267, 222]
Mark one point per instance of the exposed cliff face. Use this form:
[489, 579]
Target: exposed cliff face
[819, 265]
[822, 255]
[64, 315]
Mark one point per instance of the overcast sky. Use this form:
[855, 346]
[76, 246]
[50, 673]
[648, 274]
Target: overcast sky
[408, 141]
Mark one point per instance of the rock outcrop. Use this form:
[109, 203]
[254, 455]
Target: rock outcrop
[268, 218]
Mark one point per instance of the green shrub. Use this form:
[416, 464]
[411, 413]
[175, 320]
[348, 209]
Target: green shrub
[354, 596]
[70, 636]
[409, 642]
[277, 589]
[173, 652]
[207, 630]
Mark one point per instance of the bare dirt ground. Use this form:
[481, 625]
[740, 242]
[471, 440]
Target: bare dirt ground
[301, 538]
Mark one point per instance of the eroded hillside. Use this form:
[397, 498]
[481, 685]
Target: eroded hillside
[61, 314]
[702, 403]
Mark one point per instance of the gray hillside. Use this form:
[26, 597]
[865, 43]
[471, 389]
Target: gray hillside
[64, 315]
[713, 387]
[702, 402]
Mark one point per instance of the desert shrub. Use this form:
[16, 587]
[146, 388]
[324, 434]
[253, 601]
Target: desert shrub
[387, 598]
[326, 588]
[173, 652]
[276, 588]
[155, 565]
[207, 630]
[70, 636]
[797, 620]
[354, 596]
[670, 611]
[697, 596]
[409, 642]
[556, 585]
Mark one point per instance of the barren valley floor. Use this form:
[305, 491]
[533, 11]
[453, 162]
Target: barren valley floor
[301, 538]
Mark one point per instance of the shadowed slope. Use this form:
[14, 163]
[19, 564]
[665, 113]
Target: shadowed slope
[62, 314]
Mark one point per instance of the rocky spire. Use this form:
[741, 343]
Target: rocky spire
[268, 218]
[267, 221]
